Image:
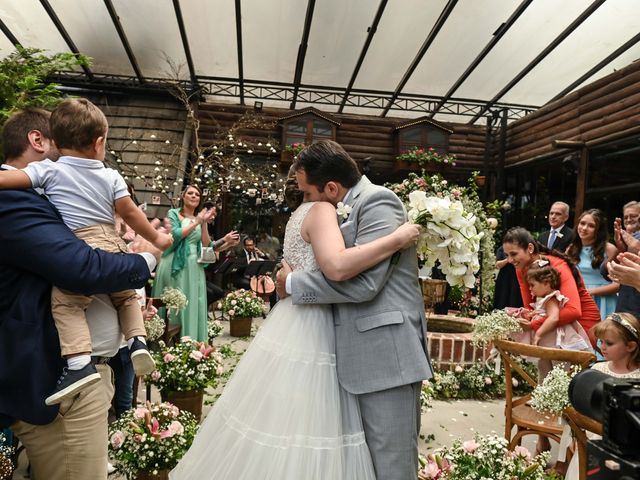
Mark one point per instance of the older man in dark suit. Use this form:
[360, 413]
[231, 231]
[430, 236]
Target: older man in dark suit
[559, 236]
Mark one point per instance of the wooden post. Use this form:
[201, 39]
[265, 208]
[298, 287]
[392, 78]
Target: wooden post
[502, 152]
[581, 182]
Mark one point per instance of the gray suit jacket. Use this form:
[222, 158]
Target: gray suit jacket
[379, 315]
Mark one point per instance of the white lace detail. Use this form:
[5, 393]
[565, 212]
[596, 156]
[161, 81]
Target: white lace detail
[297, 252]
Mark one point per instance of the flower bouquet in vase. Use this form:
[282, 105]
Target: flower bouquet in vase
[241, 306]
[148, 441]
[484, 457]
[184, 370]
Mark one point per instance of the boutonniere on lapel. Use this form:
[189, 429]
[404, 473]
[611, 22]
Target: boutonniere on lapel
[559, 235]
[343, 210]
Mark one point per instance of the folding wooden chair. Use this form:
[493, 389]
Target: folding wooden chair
[521, 415]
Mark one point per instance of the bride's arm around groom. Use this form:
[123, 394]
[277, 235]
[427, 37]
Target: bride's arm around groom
[378, 314]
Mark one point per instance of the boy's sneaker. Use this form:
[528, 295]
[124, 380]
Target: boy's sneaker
[142, 360]
[71, 382]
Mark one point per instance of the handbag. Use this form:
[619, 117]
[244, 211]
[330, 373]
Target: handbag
[207, 255]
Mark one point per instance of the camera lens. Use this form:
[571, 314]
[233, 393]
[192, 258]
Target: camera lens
[586, 393]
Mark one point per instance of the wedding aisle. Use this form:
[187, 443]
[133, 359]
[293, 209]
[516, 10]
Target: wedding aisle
[441, 424]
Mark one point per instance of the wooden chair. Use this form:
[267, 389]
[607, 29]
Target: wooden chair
[521, 415]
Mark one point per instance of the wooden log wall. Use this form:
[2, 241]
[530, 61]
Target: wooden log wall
[361, 136]
[158, 127]
[600, 112]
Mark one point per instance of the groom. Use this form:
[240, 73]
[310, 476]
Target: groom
[378, 315]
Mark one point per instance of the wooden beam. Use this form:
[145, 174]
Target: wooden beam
[572, 144]
[581, 182]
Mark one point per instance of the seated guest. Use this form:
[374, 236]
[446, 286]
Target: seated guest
[248, 254]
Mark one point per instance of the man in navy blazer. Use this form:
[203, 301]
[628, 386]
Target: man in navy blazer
[37, 251]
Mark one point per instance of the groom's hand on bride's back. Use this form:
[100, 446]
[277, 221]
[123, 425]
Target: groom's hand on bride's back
[281, 279]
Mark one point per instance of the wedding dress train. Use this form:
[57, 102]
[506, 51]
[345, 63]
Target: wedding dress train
[283, 414]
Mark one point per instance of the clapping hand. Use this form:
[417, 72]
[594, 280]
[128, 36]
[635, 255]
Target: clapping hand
[232, 238]
[140, 245]
[206, 215]
[627, 271]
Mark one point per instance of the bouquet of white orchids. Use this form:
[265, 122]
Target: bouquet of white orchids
[449, 235]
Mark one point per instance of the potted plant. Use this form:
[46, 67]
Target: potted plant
[484, 457]
[148, 441]
[428, 158]
[241, 306]
[184, 370]
[290, 151]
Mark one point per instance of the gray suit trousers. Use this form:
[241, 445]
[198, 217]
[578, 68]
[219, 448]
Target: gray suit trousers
[392, 434]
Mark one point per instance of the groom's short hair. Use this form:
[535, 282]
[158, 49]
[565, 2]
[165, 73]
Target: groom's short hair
[326, 161]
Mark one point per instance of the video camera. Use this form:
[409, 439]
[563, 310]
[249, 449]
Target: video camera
[614, 402]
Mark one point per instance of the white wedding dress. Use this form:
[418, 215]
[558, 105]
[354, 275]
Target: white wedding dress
[283, 414]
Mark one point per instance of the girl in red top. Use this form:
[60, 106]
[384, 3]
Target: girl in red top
[522, 249]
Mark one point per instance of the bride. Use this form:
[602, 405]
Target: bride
[283, 414]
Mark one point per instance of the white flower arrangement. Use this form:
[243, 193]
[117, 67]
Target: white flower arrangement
[214, 327]
[188, 365]
[449, 235]
[242, 303]
[552, 395]
[155, 328]
[484, 457]
[151, 438]
[173, 298]
[495, 325]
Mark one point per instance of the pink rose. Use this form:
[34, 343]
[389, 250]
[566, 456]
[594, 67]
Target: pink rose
[185, 338]
[140, 412]
[470, 446]
[219, 370]
[231, 312]
[155, 375]
[459, 369]
[522, 452]
[196, 355]
[168, 358]
[176, 428]
[117, 439]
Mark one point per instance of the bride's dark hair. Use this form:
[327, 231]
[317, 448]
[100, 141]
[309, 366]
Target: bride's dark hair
[292, 195]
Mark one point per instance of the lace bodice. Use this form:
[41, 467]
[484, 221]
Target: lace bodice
[297, 252]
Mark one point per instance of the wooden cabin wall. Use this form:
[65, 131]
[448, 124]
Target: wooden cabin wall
[600, 112]
[361, 136]
[135, 118]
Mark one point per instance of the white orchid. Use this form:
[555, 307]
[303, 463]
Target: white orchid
[449, 236]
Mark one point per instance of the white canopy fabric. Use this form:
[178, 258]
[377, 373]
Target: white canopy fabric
[272, 32]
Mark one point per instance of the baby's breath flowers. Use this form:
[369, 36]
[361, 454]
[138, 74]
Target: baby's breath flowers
[173, 298]
[495, 325]
[552, 395]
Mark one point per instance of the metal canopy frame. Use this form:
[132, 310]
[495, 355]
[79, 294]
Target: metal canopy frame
[548, 49]
[296, 91]
[7, 32]
[485, 51]
[372, 31]
[302, 52]
[65, 35]
[123, 38]
[423, 49]
[185, 42]
[263, 90]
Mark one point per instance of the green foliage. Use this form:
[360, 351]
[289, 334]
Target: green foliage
[23, 79]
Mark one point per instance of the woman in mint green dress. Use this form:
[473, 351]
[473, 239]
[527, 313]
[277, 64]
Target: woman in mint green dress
[179, 267]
